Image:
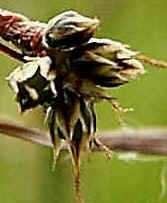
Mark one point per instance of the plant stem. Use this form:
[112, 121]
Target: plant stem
[148, 141]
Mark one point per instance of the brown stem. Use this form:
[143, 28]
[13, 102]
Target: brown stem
[76, 171]
[26, 133]
[151, 61]
[148, 141]
[77, 183]
[12, 53]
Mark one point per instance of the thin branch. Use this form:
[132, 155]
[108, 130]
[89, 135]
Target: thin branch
[12, 53]
[33, 135]
[148, 141]
[151, 61]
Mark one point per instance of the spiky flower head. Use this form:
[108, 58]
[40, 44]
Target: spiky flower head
[71, 79]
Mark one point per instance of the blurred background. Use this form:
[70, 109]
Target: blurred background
[25, 169]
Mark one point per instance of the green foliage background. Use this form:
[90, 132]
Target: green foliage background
[25, 169]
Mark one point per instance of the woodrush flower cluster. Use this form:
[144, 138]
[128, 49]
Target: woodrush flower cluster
[70, 77]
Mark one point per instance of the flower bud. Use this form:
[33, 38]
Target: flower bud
[68, 30]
